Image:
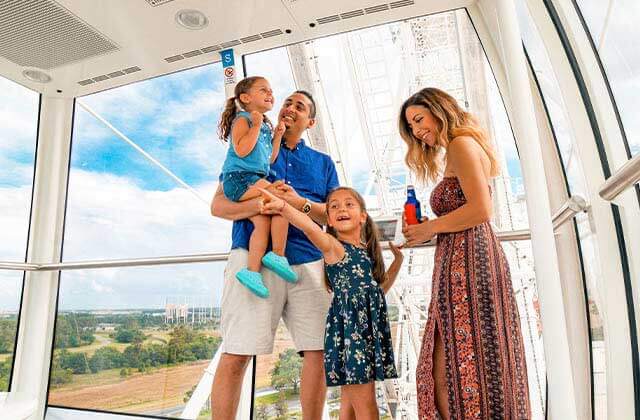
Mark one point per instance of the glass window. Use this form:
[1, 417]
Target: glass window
[359, 79]
[18, 134]
[558, 114]
[137, 340]
[613, 26]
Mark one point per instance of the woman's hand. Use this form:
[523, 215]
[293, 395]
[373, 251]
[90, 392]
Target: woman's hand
[270, 203]
[397, 254]
[418, 234]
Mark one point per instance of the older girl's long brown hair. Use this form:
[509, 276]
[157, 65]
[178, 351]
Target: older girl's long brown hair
[369, 237]
[453, 121]
[233, 103]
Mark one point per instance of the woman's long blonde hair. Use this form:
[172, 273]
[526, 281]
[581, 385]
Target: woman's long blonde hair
[452, 120]
[369, 237]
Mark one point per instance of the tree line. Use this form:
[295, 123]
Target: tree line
[185, 345]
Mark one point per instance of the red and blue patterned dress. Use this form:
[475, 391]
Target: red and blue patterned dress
[357, 344]
[474, 309]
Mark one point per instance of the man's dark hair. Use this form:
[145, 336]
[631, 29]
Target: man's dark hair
[312, 111]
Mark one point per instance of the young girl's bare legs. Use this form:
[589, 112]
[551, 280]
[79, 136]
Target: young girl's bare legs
[361, 399]
[279, 232]
[346, 410]
[258, 241]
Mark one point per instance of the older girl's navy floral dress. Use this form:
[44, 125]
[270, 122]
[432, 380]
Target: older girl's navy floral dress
[357, 344]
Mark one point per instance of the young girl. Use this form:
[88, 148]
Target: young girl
[357, 345]
[252, 150]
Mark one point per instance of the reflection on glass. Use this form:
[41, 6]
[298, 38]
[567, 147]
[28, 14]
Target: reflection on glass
[360, 78]
[277, 387]
[614, 28]
[19, 116]
[550, 91]
[139, 339]
[122, 205]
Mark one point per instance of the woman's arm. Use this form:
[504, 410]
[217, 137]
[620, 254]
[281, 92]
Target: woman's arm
[222, 207]
[243, 137]
[331, 249]
[465, 156]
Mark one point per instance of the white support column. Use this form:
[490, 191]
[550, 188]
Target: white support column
[246, 395]
[35, 338]
[562, 405]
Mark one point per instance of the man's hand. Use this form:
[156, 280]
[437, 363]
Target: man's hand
[270, 204]
[287, 193]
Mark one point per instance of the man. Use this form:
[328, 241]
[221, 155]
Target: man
[249, 323]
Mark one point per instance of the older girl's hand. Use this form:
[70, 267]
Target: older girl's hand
[395, 250]
[418, 234]
[270, 203]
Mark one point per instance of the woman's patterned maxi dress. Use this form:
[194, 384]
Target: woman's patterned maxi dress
[474, 309]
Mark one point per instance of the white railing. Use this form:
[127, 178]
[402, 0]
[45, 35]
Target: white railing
[625, 177]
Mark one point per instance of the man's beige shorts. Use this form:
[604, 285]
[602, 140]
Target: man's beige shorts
[249, 323]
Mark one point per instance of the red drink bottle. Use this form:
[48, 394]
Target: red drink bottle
[412, 207]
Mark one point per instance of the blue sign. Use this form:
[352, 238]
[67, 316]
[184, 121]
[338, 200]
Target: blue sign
[227, 58]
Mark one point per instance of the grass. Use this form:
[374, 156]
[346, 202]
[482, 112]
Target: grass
[273, 398]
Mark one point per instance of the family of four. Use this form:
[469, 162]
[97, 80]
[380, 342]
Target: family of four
[329, 285]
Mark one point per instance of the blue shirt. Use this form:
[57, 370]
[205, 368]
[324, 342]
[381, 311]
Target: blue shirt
[313, 175]
[257, 161]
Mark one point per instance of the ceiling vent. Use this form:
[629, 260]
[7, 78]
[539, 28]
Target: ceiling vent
[45, 35]
[108, 76]
[155, 3]
[366, 11]
[223, 45]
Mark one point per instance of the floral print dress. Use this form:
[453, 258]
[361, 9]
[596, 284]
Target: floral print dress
[357, 345]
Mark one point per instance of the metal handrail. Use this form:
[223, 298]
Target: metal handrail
[570, 209]
[625, 177]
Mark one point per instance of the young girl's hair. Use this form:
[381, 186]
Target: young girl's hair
[452, 120]
[369, 237]
[231, 106]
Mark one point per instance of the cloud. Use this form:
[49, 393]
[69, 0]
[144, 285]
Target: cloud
[19, 116]
[109, 217]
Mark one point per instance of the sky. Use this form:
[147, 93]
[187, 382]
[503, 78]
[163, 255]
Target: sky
[122, 206]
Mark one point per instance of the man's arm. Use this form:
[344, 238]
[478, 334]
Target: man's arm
[286, 192]
[222, 207]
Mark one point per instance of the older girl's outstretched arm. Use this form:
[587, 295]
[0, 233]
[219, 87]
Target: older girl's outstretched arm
[331, 249]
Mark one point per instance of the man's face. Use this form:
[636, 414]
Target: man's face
[295, 113]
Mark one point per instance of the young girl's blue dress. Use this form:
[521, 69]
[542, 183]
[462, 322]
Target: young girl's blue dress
[357, 346]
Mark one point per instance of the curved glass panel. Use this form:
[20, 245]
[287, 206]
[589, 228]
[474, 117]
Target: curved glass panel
[614, 28]
[137, 340]
[359, 79]
[18, 134]
[558, 115]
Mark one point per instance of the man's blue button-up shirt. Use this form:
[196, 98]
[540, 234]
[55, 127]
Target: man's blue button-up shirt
[313, 175]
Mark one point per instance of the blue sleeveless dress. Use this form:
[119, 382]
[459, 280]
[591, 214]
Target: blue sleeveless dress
[357, 344]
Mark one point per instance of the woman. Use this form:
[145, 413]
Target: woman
[472, 363]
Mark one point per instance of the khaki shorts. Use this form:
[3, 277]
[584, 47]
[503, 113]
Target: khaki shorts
[249, 323]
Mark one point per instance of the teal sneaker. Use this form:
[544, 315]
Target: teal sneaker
[280, 266]
[253, 281]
